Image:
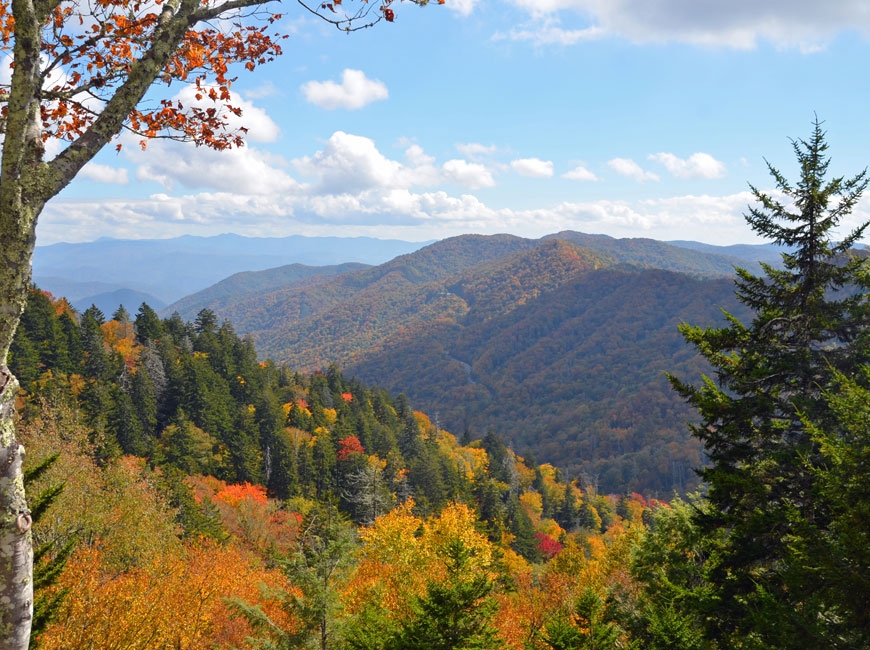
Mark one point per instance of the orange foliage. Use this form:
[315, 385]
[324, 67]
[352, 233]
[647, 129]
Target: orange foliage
[235, 494]
[248, 515]
[121, 338]
[176, 601]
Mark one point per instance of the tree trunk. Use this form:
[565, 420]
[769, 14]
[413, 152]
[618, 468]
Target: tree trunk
[16, 548]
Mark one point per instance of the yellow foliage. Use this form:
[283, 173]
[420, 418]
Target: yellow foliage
[116, 503]
[525, 474]
[423, 421]
[401, 554]
[331, 416]
[551, 528]
[534, 505]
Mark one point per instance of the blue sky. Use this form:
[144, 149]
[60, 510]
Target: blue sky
[632, 118]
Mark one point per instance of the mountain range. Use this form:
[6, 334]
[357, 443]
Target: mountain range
[560, 344]
[109, 272]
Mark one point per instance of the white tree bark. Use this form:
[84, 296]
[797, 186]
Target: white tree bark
[16, 548]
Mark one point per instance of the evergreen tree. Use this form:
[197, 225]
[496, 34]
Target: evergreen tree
[317, 570]
[811, 320]
[147, 324]
[455, 614]
[841, 552]
[584, 628]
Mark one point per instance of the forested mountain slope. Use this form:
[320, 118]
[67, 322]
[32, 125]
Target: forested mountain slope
[710, 262]
[575, 377]
[252, 284]
[310, 326]
[559, 348]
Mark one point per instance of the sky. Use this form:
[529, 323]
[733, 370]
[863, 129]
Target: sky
[630, 118]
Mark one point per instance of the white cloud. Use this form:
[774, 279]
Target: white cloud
[741, 24]
[260, 127]
[580, 173]
[389, 212]
[698, 165]
[474, 150]
[244, 170]
[471, 175]
[355, 91]
[627, 167]
[533, 167]
[462, 7]
[348, 163]
[105, 173]
[415, 156]
[549, 31]
[351, 163]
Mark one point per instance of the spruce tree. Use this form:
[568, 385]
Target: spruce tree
[810, 321]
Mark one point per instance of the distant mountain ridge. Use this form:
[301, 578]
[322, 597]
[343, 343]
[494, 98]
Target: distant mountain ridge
[170, 269]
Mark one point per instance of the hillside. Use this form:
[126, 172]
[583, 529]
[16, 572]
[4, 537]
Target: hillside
[561, 349]
[252, 284]
[707, 261]
[575, 377]
[558, 347]
[312, 325]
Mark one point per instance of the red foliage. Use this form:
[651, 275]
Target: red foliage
[348, 446]
[548, 546]
[347, 397]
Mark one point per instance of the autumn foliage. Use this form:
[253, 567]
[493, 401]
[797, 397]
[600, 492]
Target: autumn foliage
[267, 496]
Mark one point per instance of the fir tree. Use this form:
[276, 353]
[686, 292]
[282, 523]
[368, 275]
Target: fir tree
[811, 320]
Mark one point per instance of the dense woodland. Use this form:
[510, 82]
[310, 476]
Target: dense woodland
[187, 465]
[558, 347]
[186, 495]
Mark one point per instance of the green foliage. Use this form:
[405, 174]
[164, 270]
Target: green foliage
[453, 615]
[585, 627]
[811, 322]
[317, 570]
[841, 551]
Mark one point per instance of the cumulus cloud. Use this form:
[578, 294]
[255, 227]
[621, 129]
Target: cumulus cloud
[260, 127]
[355, 91]
[741, 24]
[627, 167]
[533, 167]
[398, 213]
[580, 173]
[698, 165]
[471, 175]
[105, 173]
[348, 163]
[351, 163]
[244, 170]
